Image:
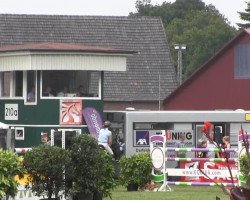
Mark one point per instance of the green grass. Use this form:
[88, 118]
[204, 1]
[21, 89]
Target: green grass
[177, 193]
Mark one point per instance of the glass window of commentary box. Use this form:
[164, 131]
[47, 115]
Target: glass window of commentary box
[11, 84]
[65, 84]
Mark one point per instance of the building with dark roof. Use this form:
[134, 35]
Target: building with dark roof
[150, 75]
[221, 83]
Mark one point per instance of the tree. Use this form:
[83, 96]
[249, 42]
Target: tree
[245, 16]
[203, 32]
[202, 28]
[167, 11]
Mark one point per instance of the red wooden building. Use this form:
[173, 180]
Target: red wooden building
[223, 82]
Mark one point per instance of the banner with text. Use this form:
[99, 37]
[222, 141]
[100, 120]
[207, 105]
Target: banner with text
[93, 120]
[217, 171]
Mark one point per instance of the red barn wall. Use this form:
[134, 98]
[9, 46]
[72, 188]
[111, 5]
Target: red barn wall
[214, 87]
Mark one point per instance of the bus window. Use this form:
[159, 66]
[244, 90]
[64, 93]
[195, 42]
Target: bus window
[219, 133]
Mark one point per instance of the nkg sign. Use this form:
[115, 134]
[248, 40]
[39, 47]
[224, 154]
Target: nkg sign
[172, 136]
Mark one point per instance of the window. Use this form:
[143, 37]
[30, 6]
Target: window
[70, 84]
[11, 84]
[18, 84]
[242, 62]
[5, 84]
[31, 87]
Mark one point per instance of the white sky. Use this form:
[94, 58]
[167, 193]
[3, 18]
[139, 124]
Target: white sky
[228, 8]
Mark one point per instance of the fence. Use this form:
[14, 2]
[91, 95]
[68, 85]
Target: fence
[161, 173]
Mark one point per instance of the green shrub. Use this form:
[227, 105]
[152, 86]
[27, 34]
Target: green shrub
[45, 166]
[245, 169]
[135, 169]
[10, 166]
[92, 167]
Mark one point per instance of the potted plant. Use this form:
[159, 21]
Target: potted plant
[45, 166]
[92, 170]
[10, 166]
[135, 171]
[245, 171]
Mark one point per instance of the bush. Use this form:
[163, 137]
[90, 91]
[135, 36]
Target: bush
[245, 169]
[45, 166]
[92, 168]
[135, 169]
[9, 167]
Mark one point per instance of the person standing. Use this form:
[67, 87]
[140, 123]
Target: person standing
[202, 154]
[208, 130]
[211, 144]
[226, 145]
[105, 137]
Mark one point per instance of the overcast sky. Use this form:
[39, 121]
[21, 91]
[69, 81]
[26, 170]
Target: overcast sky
[228, 8]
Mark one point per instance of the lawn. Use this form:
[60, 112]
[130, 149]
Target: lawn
[178, 192]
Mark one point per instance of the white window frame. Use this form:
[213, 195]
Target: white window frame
[55, 97]
[25, 90]
[63, 130]
[12, 89]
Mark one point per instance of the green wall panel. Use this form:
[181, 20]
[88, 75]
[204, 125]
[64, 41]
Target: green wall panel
[41, 118]
[46, 112]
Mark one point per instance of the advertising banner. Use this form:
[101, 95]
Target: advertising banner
[141, 137]
[93, 120]
[217, 171]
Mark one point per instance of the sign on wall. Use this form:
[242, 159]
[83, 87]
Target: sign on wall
[141, 137]
[19, 133]
[11, 112]
[70, 112]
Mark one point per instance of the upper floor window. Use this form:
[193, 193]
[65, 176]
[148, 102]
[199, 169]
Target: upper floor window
[242, 62]
[84, 84]
[18, 84]
[5, 84]
[30, 82]
[11, 84]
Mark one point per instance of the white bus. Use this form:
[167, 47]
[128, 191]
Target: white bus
[135, 127]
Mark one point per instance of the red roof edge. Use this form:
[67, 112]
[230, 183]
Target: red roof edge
[204, 66]
[66, 47]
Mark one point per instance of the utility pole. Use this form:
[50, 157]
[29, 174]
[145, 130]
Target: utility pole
[179, 48]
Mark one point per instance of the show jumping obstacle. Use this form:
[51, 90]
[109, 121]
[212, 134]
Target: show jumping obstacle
[158, 151]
